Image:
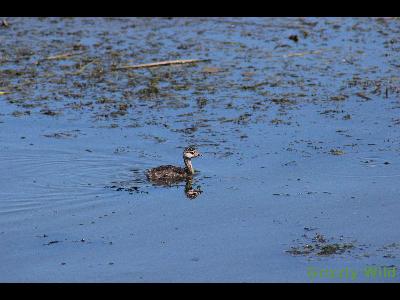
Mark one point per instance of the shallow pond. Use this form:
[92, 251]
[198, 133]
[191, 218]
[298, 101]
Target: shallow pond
[297, 119]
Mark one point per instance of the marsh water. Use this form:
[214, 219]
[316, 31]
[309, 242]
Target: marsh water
[297, 119]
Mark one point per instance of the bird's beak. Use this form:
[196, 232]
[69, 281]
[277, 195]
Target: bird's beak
[199, 154]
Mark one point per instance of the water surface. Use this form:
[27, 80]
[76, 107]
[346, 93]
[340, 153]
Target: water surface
[298, 121]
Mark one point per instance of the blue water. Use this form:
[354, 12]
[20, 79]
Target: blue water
[264, 119]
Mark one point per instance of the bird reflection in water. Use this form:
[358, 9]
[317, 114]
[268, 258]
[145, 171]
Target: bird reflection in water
[190, 192]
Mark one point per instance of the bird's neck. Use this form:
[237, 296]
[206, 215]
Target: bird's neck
[188, 164]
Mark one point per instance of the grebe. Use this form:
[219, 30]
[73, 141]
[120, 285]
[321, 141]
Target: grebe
[168, 174]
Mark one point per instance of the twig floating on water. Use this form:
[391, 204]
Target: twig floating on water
[302, 53]
[4, 23]
[59, 56]
[82, 68]
[361, 95]
[62, 56]
[162, 63]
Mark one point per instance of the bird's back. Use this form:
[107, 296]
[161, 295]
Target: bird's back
[167, 174]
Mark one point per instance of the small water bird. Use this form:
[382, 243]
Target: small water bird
[168, 174]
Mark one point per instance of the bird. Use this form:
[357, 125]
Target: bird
[168, 174]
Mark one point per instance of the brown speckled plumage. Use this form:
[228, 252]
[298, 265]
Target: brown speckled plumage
[168, 174]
